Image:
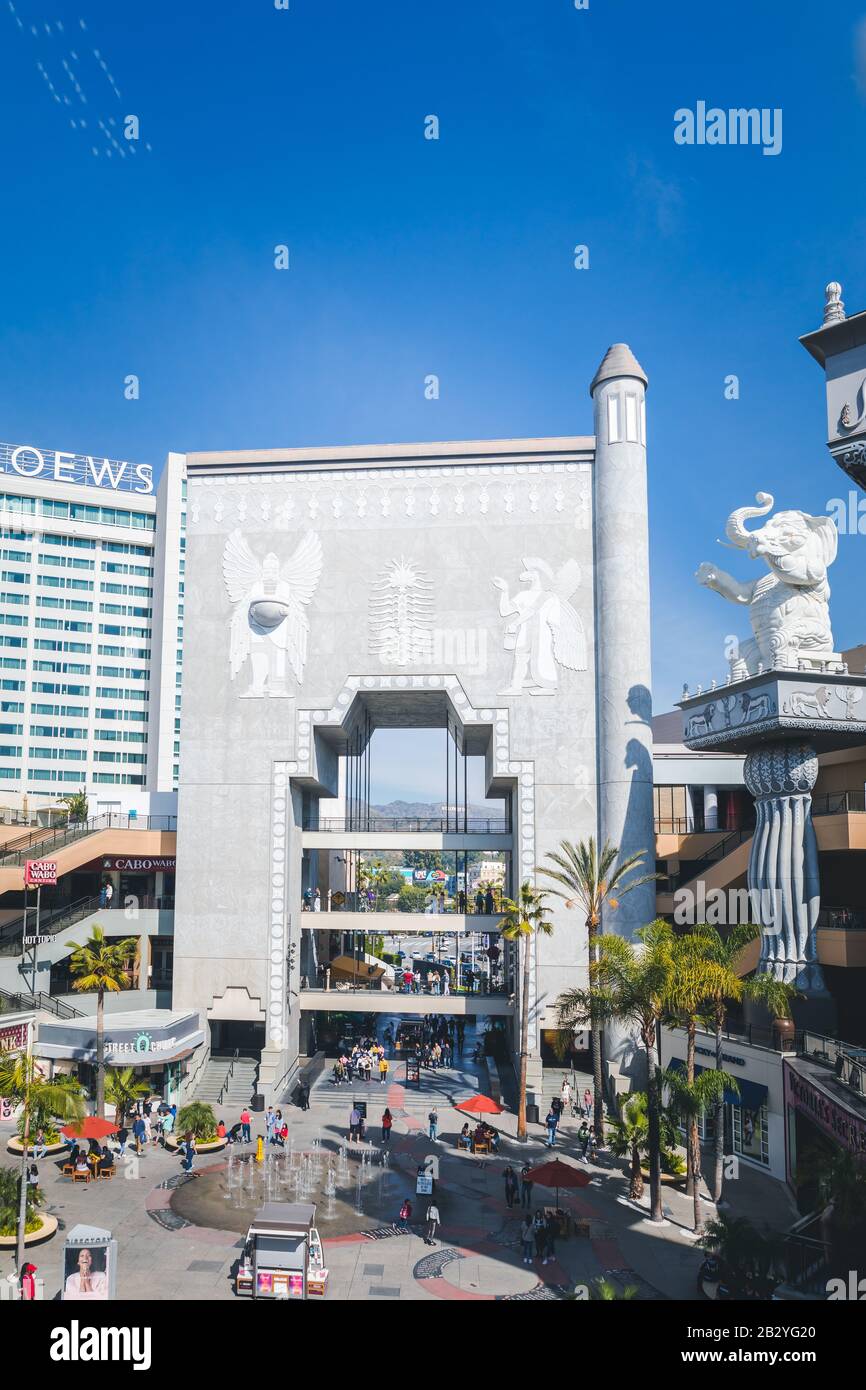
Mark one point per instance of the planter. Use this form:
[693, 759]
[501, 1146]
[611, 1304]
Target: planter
[668, 1179]
[47, 1228]
[16, 1146]
[213, 1146]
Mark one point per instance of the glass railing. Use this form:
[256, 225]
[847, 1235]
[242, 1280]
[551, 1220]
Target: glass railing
[361, 902]
[41, 843]
[440, 825]
[842, 918]
[838, 803]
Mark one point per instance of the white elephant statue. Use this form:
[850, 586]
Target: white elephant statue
[789, 607]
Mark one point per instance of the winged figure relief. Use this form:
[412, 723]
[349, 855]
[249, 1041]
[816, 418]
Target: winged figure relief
[269, 623]
[545, 631]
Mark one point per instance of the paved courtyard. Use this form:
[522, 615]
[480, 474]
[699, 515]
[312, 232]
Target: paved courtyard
[163, 1255]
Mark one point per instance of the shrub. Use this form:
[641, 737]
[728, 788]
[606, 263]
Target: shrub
[9, 1190]
[198, 1118]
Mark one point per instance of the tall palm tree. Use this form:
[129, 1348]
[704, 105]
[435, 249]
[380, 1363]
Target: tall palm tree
[594, 882]
[629, 1137]
[689, 1101]
[524, 919]
[696, 978]
[101, 965]
[629, 982]
[122, 1091]
[21, 1080]
[775, 996]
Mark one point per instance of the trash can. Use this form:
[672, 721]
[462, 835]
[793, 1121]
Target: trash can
[532, 1115]
[258, 1103]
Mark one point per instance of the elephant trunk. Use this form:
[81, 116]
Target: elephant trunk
[735, 528]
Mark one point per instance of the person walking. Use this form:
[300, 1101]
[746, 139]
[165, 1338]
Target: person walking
[432, 1224]
[138, 1133]
[122, 1137]
[510, 1187]
[405, 1215]
[587, 1102]
[384, 1067]
[526, 1186]
[245, 1125]
[433, 1125]
[588, 1139]
[304, 1095]
[109, 894]
[387, 1124]
[583, 1137]
[354, 1124]
[565, 1095]
[551, 1227]
[551, 1120]
[526, 1238]
[539, 1232]
[270, 1122]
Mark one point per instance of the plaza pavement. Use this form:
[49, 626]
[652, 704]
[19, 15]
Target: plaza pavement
[477, 1255]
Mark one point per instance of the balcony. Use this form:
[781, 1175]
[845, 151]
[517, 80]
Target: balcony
[414, 825]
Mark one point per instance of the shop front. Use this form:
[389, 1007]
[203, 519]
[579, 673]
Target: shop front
[824, 1117]
[754, 1112]
[157, 1044]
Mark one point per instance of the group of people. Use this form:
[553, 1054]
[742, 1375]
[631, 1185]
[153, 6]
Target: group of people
[432, 1219]
[96, 1158]
[365, 1061]
[150, 1126]
[276, 1127]
[483, 1133]
[436, 981]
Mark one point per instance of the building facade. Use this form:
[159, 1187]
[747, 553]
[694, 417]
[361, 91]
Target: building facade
[498, 590]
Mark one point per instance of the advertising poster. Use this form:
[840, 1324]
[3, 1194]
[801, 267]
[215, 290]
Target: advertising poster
[86, 1273]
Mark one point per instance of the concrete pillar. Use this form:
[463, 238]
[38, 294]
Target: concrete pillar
[711, 807]
[623, 664]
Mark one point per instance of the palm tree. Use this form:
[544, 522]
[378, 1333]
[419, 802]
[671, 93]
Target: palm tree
[101, 965]
[775, 996]
[76, 806]
[697, 977]
[689, 1101]
[525, 919]
[606, 1291]
[629, 982]
[629, 1138]
[594, 882]
[21, 1080]
[122, 1091]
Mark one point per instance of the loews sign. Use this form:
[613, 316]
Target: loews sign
[57, 466]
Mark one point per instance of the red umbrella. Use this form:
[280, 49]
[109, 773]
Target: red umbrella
[479, 1105]
[558, 1174]
[89, 1128]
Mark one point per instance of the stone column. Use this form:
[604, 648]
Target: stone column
[623, 663]
[783, 874]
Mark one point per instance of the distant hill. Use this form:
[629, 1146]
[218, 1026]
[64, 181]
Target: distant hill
[402, 810]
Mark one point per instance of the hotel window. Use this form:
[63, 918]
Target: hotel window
[11, 728]
[12, 685]
[12, 641]
[13, 663]
[12, 706]
[7, 773]
[10, 751]
[14, 619]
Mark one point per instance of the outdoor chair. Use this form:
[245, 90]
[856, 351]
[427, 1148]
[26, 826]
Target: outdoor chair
[80, 1177]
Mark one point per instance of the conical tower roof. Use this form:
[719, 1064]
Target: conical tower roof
[619, 360]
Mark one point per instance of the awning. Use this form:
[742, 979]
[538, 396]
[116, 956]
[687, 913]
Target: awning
[752, 1096]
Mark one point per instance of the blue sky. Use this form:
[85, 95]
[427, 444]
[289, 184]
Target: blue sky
[452, 257]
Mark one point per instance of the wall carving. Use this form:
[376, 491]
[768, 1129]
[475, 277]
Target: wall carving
[269, 626]
[544, 631]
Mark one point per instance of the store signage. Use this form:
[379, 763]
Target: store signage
[13, 1039]
[843, 1126]
[36, 940]
[142, 1042]
[58, 466]
[726, 1056]
[40, 871]
[127, 865]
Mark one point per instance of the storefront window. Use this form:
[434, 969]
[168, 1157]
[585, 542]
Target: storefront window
[750, 1132]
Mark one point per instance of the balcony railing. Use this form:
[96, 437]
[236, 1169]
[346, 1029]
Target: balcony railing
[440, 825]
[38, 844]
[359, 902]
[842, 918]
[838, 803]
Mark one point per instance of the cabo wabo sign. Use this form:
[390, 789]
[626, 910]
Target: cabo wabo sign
[56, 466]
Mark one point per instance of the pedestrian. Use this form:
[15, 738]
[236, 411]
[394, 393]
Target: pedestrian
[416, 981]
[433, 1124]
[593, 1144]
[587, 1102]
[39, 1148]
[539, 1231]
[384, 1066]
[432, 1224]
[526, 1186]
[565, 1095]
[387, 1122]
[109, 894]
[510, 1187]
[479, 902]
[526, 1238]
[354, 1124]
[583, 1137]
[189, 1151]
[588, 1139]
[145, 1120]
[245, 1125]
[221, 1130]
[488, 901]
[551, 1227]
[405, 1215]
[27, 1283]
[283, 1134]
[168, 1121]
[270, 1121]
[122, 1137]
[551, 1120]
[138, 1133]
[102, 895]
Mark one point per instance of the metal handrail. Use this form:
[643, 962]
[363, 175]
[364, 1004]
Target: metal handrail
[445, 825]
[732, 840]
[228, 1076]
[24, 1002]
[18, 850]
[838, 803]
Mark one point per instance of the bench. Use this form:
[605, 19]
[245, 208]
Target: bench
[80, 1176]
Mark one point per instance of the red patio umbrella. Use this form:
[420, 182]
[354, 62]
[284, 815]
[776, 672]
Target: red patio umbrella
[479, 1105]
[558, 1174]
[89, 1128]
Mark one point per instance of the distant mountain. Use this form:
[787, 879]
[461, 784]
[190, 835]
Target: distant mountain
[404, 810]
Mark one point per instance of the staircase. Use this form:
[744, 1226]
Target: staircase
[235, 1090]
[22, 1003]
